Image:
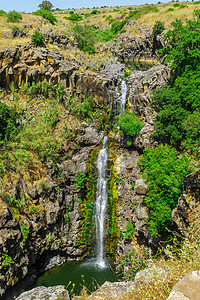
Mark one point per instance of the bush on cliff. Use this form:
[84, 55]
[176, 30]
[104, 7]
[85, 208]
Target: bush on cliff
[130, 124]
[164, 172]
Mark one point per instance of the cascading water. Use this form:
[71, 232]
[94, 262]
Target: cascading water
[122, 99]
[101, 202]
[120, 102]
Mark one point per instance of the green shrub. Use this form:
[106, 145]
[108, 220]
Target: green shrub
[164, 172]
[38, 39]
[14, 16]
[80, 107]
[183, 6]
[158, 28]
[169, 9]
[176, 5]
[74, 17]
[9, 122]
[130, 124]
[80, 181]
[44, 89]
[85, 38]
[129, 233]
[47, 15]
[2, 13]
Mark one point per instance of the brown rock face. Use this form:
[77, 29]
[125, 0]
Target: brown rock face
[188, 288]
[29, 64]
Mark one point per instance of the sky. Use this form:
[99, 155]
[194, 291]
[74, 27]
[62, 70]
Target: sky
[32, 5]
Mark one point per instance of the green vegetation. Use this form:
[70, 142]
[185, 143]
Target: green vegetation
[45, 5]
[164, 172]
[7, 260]
[129, 233]
[158, 28]
[113, 181]
[38, 39]
[9, 122]
[47, 15]
[14, 16]
[179, 103]
[127, 265]
[130, 124]
[85, 38]
[80, 181]
[74, 17]
[2, 13]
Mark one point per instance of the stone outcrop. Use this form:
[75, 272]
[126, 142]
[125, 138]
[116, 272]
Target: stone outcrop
[189, 197]
[44, 232]
[28, 64]
[142, 84]
[138, 48]
[58, 292]
[188, 288]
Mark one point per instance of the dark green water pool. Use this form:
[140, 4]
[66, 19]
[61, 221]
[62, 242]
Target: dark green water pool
[78, 273]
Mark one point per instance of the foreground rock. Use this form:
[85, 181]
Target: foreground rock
[58, 292]
[188, 288]
[113, 290]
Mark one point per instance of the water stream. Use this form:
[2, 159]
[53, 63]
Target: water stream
[101, 202]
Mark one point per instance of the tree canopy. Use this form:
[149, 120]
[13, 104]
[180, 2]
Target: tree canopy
[46, 5]
[179, 103]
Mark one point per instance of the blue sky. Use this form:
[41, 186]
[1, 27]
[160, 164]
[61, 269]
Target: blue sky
[32, 5]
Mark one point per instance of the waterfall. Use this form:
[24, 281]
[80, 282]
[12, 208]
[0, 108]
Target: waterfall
[122, 98]
[119, 103]
[101, 202]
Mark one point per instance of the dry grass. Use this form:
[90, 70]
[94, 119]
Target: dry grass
[100, 20]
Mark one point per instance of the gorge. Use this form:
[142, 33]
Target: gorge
[98, 157]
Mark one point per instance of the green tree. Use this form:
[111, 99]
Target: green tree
[47, 5]
[180, 99]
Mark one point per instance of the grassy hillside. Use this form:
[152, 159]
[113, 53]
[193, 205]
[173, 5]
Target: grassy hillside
[138, 18]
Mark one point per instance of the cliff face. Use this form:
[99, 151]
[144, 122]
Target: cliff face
[50, 224]
[29, 64]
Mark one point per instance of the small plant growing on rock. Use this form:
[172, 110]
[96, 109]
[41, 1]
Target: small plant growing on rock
[38, 39]
[129, 230]
[80, 180]
[7, 260]
[14, 16]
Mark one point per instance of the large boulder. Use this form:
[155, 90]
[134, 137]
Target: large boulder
[188, 288]
[58, 292]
